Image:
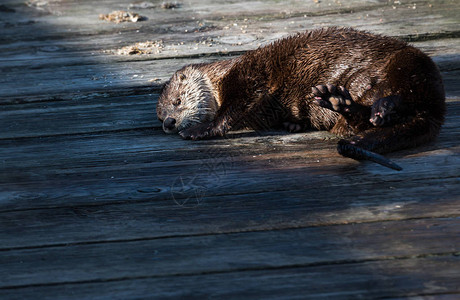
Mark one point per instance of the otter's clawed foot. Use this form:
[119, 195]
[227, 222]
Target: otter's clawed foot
[198, 132]
[337, 99]
[292, 127]
[384, 111]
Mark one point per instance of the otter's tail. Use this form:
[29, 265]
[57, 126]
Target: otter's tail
[366, 146]
[347, 149]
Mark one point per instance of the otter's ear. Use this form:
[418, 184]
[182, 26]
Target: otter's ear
[164, 86]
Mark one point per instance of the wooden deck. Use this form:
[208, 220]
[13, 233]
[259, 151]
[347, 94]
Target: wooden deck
[96, 202]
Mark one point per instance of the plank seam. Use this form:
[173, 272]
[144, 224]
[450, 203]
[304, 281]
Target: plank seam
[229, 232]
[411, 38]
[413, 295]
[149, 199]
[21, 138]
[239, 270]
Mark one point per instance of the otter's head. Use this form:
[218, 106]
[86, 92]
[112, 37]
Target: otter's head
[186, 100]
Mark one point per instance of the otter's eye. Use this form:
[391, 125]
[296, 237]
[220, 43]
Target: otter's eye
[182, 77]
[176, 102]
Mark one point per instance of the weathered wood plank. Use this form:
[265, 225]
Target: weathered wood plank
[430, 278]
[51, 83]
[78, 116]
[115, 186]
[82, 81]
[215, 172]
[98, 114]
[127, 150]
[432, 296]
[143, 214]
[42, 58]
[86, 172]
[68, 121]
[228, 253]
[83, 15]
[82, 19]
[205, 8]
[193, 24]
[124, 151]
[68, 62]
[92, 203]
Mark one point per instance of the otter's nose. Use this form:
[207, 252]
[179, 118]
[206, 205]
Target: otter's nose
[169, 123]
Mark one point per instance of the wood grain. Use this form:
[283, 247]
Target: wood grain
[147, 212]
[415, 277]
[96, 202]
[228, 253]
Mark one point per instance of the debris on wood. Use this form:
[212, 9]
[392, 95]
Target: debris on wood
[46, 6]
[149, 5]
[170, 5]
[41, 5]
[119, 16]
[142, 5]
[36, 3]
[149, 47]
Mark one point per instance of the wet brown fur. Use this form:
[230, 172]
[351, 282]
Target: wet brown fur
[283, 73]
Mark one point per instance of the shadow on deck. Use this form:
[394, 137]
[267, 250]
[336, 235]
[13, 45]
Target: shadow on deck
[95, 201]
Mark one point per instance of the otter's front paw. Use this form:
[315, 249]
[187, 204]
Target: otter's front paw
[198, 132]
[337, 99]
[292, 127]
[384, 111]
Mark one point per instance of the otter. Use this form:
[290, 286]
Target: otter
[377, 93]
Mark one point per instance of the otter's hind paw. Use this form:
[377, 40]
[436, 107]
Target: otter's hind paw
[337, 99]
